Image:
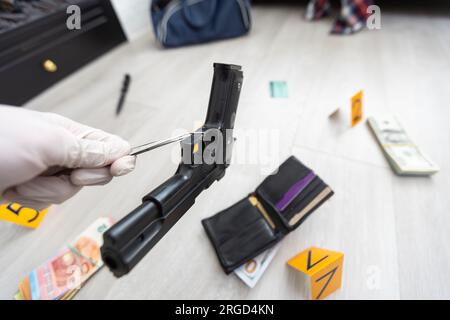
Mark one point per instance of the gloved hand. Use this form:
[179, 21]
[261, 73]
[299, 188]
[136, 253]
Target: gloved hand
[35, 146]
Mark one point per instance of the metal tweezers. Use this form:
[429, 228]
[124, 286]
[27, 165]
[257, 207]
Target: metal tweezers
[158, 143]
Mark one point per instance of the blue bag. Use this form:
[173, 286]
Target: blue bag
[181, 22]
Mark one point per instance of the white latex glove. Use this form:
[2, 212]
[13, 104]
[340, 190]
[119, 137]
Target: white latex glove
[33, 144]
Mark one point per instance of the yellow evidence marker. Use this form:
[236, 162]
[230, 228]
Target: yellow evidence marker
[323, 269]
[27, 217]
[357, 108]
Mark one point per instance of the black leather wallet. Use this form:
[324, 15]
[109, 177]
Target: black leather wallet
[256, 223]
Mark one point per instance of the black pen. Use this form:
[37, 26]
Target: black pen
[123, 93]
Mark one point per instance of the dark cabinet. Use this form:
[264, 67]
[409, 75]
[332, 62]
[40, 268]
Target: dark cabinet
[35, 55]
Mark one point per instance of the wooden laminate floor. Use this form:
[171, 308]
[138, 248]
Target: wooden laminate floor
[394, 231]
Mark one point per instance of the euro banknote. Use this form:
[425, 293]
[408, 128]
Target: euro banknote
[62, 276]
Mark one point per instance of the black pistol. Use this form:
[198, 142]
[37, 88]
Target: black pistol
[205, 156]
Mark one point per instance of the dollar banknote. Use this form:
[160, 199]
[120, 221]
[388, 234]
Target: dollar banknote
[403, 155]
[252, 271]
[61, 277]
